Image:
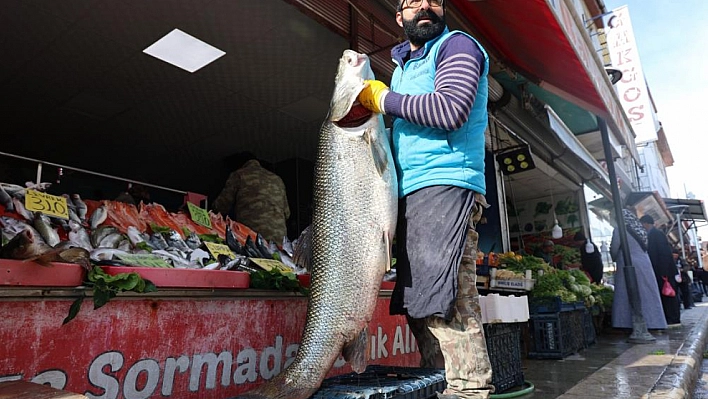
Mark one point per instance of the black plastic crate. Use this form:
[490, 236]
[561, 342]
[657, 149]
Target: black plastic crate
[384, 382]
[550, 305]
[556, 335]
[504, 348]
[588, 328]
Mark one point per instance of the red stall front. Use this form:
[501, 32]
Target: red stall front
[174, 343]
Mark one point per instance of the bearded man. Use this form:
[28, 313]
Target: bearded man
[438, 102]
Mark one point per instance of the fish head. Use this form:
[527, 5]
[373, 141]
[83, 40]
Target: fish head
[353, 69]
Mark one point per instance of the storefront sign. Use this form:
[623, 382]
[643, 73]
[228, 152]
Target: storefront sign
[171, 348]
[632, 88]
[52, 205]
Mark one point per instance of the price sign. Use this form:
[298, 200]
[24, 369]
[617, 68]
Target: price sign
[270, 264]
[199, 215]
[36, 201]
[219, 249]
[147, 260]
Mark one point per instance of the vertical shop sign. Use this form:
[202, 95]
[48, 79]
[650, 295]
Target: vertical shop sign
[632, 89]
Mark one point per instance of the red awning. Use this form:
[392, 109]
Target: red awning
[542, 40]
[528, 37]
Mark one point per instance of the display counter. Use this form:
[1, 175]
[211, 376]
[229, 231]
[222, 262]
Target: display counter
[174, 343]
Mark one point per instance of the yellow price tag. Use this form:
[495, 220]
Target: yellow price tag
[270, 264]
[219, 249]
[37, 201]
[199, 215]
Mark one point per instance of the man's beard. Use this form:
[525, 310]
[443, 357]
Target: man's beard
[418, 35]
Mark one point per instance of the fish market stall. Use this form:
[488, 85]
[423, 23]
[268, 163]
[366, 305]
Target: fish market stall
[113, 300]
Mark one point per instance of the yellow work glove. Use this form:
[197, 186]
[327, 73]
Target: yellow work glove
[372, 97]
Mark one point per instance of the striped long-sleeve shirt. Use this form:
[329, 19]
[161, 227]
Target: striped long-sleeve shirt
[448, 107]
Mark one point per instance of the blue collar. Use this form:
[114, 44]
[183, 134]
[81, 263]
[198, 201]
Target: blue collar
[402, 51]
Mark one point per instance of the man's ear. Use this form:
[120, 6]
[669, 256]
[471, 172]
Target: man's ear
[399, 19]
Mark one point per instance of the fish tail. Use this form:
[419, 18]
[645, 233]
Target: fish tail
[277, 388]
[355, 351]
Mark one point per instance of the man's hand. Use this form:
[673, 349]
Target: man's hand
[373, 95]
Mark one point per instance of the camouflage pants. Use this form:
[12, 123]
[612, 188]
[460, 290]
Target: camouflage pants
[460, 343]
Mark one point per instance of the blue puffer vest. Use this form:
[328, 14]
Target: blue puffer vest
[427, 156]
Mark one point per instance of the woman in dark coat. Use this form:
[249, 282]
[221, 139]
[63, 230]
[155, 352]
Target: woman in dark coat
[664, 266]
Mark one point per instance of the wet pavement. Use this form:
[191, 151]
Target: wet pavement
[701, 389]
[670, 367]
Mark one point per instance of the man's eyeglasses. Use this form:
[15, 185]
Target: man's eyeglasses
[418, 3]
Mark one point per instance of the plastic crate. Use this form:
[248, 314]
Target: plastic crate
[504, 348]
[550, 305]
[588, 328]
[384, 382]
[556, 335]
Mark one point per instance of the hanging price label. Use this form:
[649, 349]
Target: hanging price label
[270, 264]
[146, 260]
[37, 201]
[199, 215]
[219, 249]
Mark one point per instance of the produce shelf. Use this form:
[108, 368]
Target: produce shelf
[186, 278]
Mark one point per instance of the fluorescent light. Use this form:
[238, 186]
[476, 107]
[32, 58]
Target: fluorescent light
[184, 51]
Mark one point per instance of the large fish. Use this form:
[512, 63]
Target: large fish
[354, 217]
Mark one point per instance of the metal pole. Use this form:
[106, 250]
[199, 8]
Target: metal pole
[678, 225]
[698, 245]
[640, 334]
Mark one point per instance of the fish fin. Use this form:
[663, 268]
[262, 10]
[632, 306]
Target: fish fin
[355, 352]
[46, 258]
[302, 255]
[378, 153]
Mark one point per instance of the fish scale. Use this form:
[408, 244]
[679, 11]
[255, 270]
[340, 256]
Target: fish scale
[354, 218]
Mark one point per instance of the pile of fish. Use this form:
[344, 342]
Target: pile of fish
[99, 232]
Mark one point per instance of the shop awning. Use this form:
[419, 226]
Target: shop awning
[693, 209]
[645, 203]
[541, 40]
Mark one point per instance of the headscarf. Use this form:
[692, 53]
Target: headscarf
[635, 228]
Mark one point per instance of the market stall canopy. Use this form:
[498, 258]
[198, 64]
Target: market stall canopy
[645, 203]
[692, 209]
[541, 40]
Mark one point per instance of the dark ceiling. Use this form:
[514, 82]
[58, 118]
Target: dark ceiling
[79, 91]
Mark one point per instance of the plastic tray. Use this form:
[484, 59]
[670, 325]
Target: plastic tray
[305, 282]
[384, 382]
[186, 278]
[21, 273]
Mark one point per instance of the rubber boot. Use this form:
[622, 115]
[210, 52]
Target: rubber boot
[428, 346]
[467, 368]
